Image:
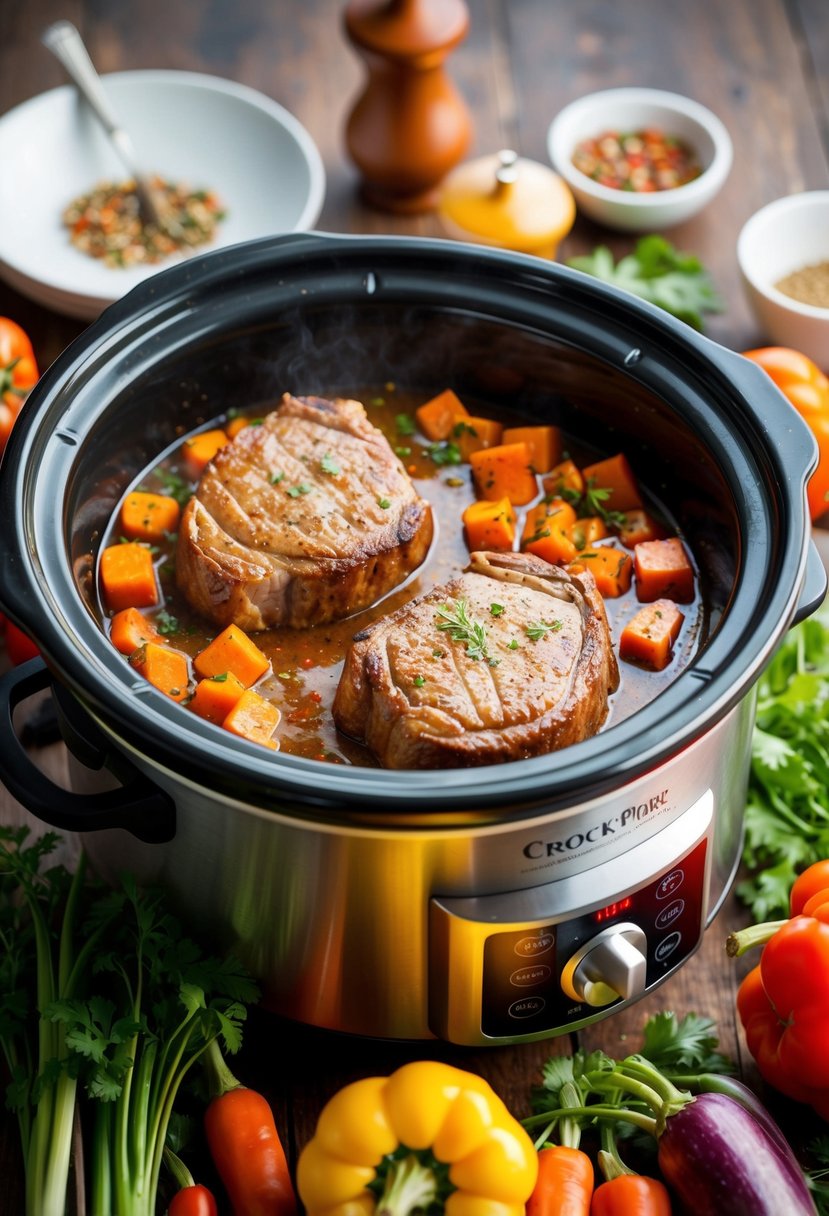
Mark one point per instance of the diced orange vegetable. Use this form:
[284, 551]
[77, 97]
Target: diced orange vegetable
[546, 531]
[504, 472]
[616, 475]
[128, 577]
[254, 718]
[565, 477]
[649, 636]
[216, 696]
[235, 426]
[585, 532]
[612, 569]
[663, 571]
[164, 667]
[199, 450]
[489, 525]
[638, 526]
[232, 651]
[472, 434]
[544, 443]
[146, 516]
[130, 629]
[437, 417]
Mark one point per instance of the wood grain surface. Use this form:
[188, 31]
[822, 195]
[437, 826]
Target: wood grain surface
[760, 64]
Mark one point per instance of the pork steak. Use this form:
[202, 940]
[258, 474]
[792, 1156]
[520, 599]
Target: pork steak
[511, 659]
[305, 518]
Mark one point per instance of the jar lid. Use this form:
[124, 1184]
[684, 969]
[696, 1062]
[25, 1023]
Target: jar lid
[506, 200]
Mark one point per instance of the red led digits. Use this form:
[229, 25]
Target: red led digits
[603, 914]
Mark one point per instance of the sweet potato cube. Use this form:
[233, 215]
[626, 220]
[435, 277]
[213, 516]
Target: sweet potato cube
[199, 450]
[128, 577]
[615, 475]
[612, 569]
[164, 667]
[130, 629]
[638, 526]
[216, 696]
[146, 516]
[546, 531]
[648, 637]
[232, 651]
[544, 443]
[504, 472]
[253, 717]
[663, 571]
[565, 478]
[437, 417]
[472, 434]
[585, 532]
[489, 525]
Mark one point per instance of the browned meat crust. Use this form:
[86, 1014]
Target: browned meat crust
[422, 696]
[306, 518]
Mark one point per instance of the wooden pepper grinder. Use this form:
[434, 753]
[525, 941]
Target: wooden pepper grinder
[410, 125]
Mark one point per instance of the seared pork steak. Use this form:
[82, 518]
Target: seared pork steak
[512, 659]
[305, 518]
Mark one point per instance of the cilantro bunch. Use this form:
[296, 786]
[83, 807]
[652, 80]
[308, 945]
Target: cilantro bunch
[659, 273]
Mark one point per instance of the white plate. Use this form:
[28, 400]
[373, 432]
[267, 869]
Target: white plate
[201, 130]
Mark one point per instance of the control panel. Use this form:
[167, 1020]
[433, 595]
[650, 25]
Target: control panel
[497, 976]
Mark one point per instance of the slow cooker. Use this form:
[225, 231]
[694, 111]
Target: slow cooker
[484, 906]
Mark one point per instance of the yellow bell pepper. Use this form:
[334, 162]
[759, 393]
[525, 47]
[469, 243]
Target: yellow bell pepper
[427, 1132]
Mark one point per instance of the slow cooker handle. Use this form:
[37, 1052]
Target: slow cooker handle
[138, 806]
[814, 585]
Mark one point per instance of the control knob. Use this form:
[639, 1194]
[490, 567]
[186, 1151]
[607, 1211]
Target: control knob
[612, 964]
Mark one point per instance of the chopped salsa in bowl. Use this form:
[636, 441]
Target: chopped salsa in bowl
[641, 161]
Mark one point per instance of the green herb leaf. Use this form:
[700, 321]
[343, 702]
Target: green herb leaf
[384, 503]
[444, 453]
[688, 1043]
[541, 628]
[302, 488]
[329, 465]
[455, 620]
[166, 623]
[405, 424]
[275, 478]
[496, 609]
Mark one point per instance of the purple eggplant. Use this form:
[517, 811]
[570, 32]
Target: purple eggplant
[719, 1083]
[721, 1161]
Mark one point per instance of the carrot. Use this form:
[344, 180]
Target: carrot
[504, 472]
[146, 516]
[648, 637]
[253, 717]
[128, 577]
[544, 443]
[564, 478]
[245, 1146]
[437, 417]
[235, 426]
[546, 531]
[216, 696]
[611, 568]
[472, 434]
[638, 526]
[489, 525]
[631, 1195]
[616, 475]
[585, 532]
[232, 651]
[199, 450]
[564, 1185]
[164, 667]
[663, 571]
[130, 629]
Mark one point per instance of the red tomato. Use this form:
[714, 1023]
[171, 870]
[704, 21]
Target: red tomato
[19, 646]
[18, 374]
[806, 387]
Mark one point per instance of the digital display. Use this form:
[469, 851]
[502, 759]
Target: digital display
[603, 914]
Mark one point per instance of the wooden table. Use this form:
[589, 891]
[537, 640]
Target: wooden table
[760, 64]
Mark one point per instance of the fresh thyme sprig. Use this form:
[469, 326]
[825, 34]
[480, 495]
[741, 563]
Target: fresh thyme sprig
[455, 621]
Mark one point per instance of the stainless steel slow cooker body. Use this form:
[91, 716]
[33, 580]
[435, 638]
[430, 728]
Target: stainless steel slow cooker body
[486, 905]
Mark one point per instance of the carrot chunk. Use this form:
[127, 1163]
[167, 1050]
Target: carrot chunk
[611, 568]
[199, 450]
[504, 472]
[648, 637]
[164, 667]
[663, 571]
[235, 426]
[254, 718]
[546, 531]
[128, 577]
[638, 526]
[585, 532]
[489, 525]
[565, 478]
[437, 417]
[615, 475]
[216, 696]
[472, 434]
[544, 443]
[130, 629]
[146, 516]
[232, 651]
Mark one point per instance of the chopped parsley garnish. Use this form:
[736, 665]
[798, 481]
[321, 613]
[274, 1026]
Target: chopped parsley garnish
[539, 630]
[302, 488]
[329, 465]
[275, 478]
[175, 486]
[463, 428]
[385, 503]
[512, 644]
[444, 453]
[403, 451]
[419, 681]
[220, 678]
[496, 609]
[404, 424]
[461, 628]
[165, 623]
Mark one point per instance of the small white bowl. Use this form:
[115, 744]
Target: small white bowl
[200, 130]
[632, 109]
[787, 235]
